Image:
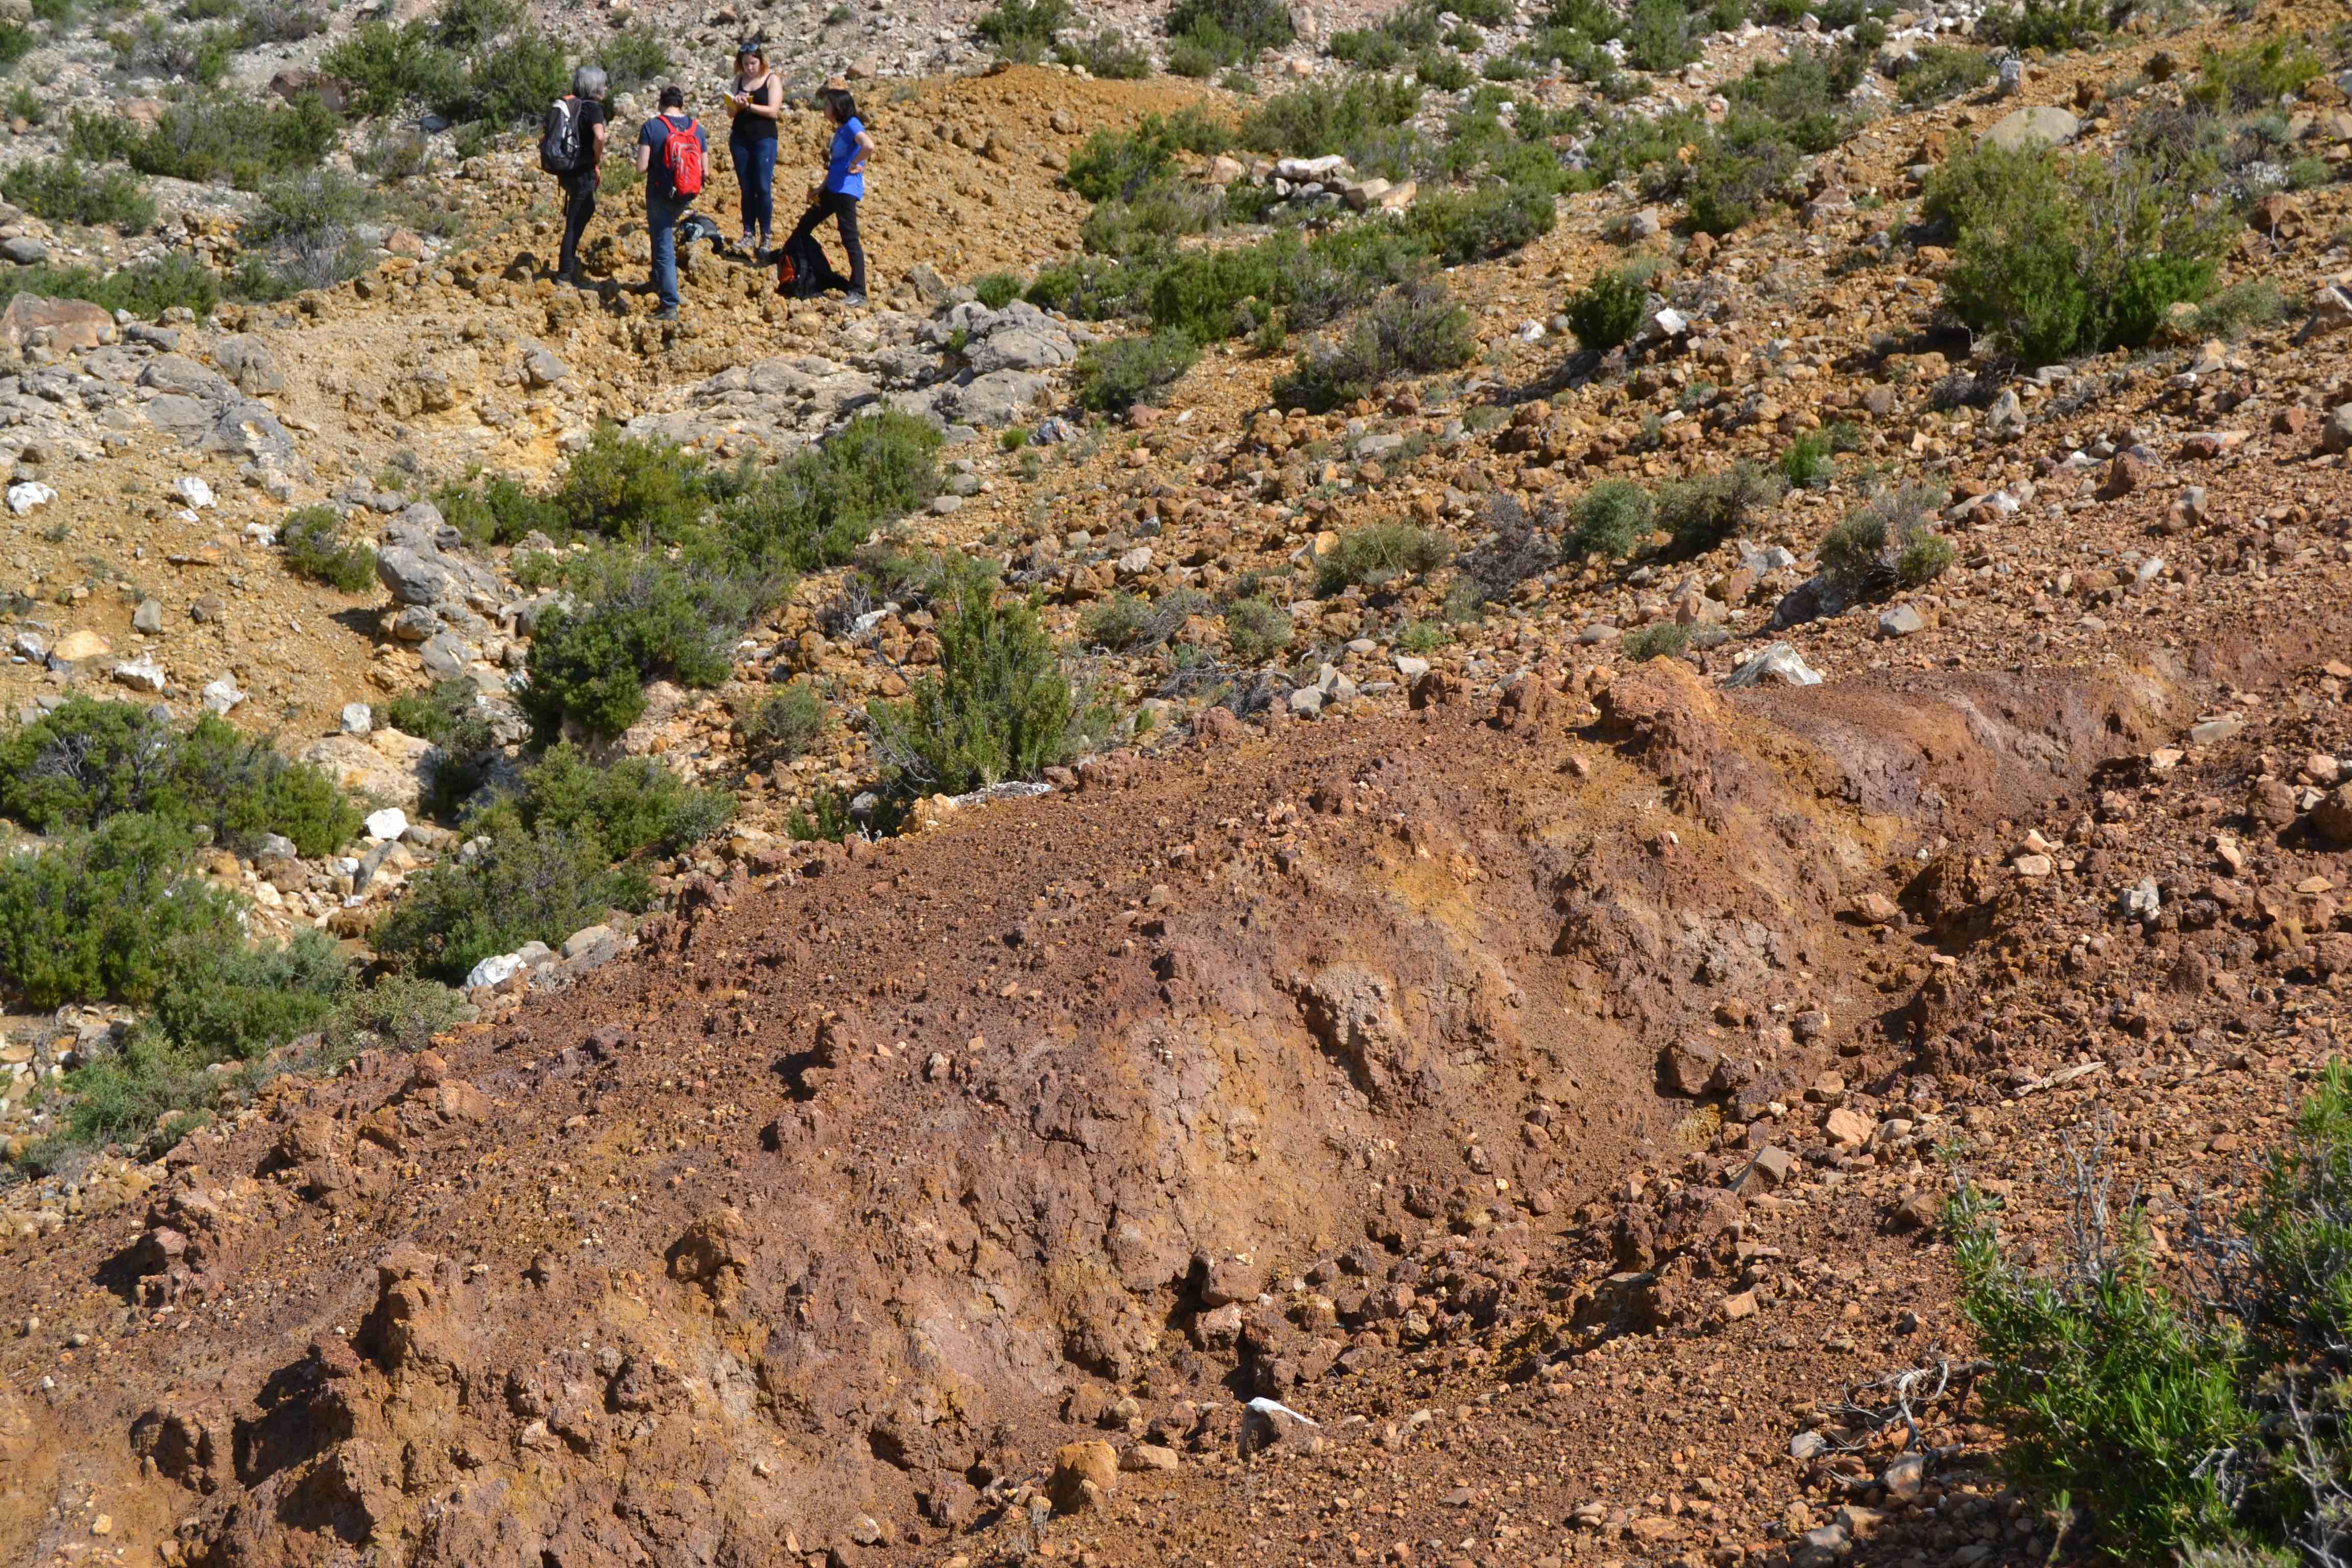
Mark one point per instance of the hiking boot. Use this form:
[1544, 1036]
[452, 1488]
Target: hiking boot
[852, 299]
[568, 280]
[666, 313]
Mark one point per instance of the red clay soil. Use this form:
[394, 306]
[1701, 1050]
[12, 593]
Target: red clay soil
[1328, 1069]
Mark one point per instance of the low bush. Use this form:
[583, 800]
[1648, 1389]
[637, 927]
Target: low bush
[1114, 375]
[2257, 75]
[497, 509]
[2050, 23]
[814, 509]
[64, 191]
[478, 62]
[1704, 510]
[1414, 329]
[1730, 179]
[1659, 640]
[1108, 55]
[1321, 119]
[998, 708]
[1522, 546]
[1658, 35]
[1609, 311]
[88, 917]
[632, 58]
[782, 725]
[2056, 258]
[1023, 29]
[645, 492]
[1116, 164]
[453, 716]
[1866, 553]
[1464, 226]
[145, 289]
[996, 289]
[1442, 70]
[312, 539]
[1942, 71]
[626, 808]
[1218, 33]
[1612, 520]
[1378, 554]
[210, 136]
[1127, 625]
[226, 1002]
[2241, 307]
[1257, 629]
[88, 762]
[640, 618]
[513, 887]
[1805, 98]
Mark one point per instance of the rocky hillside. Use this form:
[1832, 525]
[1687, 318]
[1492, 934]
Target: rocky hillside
[832, 934]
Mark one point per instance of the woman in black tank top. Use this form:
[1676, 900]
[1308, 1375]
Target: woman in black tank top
[757, 100]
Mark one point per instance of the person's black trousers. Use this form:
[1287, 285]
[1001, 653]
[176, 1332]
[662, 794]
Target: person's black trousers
[579, 208]
[843, 210]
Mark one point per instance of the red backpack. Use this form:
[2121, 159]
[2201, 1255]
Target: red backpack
[682, 156]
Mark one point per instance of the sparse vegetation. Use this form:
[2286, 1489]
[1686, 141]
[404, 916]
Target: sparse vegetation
[1023, 30]
[1659, 640]
[314, 540]
[996, 289]
[1608, 311]
[1115, 375]
[1379, 553]
[1417, 328]
[1612, 518]
[1702, 510]
[64, 191]
[145, 289]
[1212, 34]
[1887, 541]
[1257, 629]
[1941, 71]
[782, 725]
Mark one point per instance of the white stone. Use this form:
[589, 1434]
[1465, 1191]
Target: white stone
[389, 823]
[358, 718]
[194, 491]
[141, 675]
[222, 695]
[495, 970]
[1780, 662]
[24, 498]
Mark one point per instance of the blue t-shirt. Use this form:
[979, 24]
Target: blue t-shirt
[837, 177]
[659, 130]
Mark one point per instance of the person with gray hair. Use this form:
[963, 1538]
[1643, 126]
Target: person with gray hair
[571, 148]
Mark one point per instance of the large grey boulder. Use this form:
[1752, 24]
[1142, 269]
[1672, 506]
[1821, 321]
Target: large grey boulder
[999, 397]
[2046, 126]
[412, 576]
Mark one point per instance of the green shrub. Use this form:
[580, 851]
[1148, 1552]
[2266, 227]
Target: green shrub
[782, 725]
[643, 618]
[1115, 375]
[1612, 518]
[1802, 99]
[1228, 32]
[1442, 69]
[1108, 56]
[1023, 29]
[63, 191]
[222, 1001]
[1704, 510]
[1862, 556]
[88, 762]
[2256, 74]
[1414, 329]
[497, 509]
[1659, 640]
[206, 137]
[1730, 180]
[453, 716]
[1658, 36]
[2058, 257]
[1379, 553]
[17, 40]
[647, 492]
[1464, 226]
[384, 66]
[1320, 119]
[1807, 460]
[816, 506]
[315, 547]
[624, 808]
[515, 887]
[2046, 23]
[1942, 71]
[1000, 706]
[145, 289]
[996, 289]
[632, 58]
[88, 918]
[1257, 629]
[2233, 311]
[1609, 311]
[1924, 558]
[1126, 623]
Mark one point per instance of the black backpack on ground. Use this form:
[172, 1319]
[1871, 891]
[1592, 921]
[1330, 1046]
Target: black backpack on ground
[803, 270]
[559, 138]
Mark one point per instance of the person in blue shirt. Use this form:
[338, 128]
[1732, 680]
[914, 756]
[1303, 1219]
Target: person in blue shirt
[664, 203]
[845, 182]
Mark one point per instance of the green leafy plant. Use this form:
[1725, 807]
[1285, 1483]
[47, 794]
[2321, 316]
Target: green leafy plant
[1702, 510]
[1115, 375]
[1257, 629]
[1608, 311]
[998, 708]
[624, 808]
[63, 191]
[996, 289]
[1612, 518]
[312, 539]
[1659, 640]
[1023, 29]
[1939, 72]
[145, 289]
[1379, 553]
[1864, 555]
[515, 887]
[1414, 329]
[782, 725]
[1218, 33]
[88, 918]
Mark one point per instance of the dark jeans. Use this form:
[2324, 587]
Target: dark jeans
[579, 210]
[755, 175]
[843, 210]
[661, 221]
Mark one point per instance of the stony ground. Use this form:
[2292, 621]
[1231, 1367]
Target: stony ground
[1431, 1052]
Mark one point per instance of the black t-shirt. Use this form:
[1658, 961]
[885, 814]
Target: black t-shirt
[591, 113]
[757, 127]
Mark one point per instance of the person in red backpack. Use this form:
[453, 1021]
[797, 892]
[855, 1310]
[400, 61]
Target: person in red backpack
[672, 154]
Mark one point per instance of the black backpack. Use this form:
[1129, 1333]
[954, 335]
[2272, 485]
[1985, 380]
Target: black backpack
[804, 271]
[559, 138]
